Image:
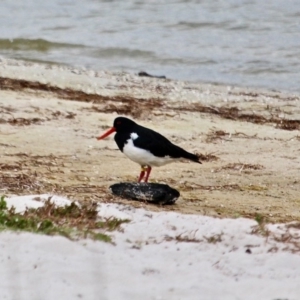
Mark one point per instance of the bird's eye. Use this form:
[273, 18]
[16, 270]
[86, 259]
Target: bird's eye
[119, 122]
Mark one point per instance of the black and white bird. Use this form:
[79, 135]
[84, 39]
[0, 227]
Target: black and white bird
[145, 146]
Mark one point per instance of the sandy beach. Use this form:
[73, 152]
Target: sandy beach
[226, 234]
[248, 139]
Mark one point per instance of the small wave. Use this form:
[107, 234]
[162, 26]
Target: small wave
[40, 45]
[185, 61]
[262, 70]
[258, 67]
[197, 25]
[122, 52]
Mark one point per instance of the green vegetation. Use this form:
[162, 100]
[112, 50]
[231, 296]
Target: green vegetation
[72, 221]
[216, 238]
[261, 225]
[259, 219]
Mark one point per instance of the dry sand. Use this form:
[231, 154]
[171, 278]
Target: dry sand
[248, 139]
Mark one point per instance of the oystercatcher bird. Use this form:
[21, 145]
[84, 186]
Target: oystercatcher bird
[145, 146]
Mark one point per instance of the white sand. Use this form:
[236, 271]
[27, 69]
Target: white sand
[148, 263]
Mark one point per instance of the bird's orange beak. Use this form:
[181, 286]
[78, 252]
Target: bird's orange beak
[107, 133]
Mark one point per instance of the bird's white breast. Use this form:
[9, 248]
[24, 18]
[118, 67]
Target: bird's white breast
[142, 156]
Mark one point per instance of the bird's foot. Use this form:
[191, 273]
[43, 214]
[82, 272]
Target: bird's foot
[142, 174]
[145, 170]
[148, 173]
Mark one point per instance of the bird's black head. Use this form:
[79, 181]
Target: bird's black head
[122, 124]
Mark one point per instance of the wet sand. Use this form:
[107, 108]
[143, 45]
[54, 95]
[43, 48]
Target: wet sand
[248, 140]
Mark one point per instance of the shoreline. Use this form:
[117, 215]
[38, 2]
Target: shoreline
[249, 139]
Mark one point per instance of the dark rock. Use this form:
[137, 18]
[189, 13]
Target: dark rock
[145, 74]
[144, 191]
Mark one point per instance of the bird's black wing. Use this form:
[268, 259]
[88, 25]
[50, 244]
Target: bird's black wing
[160, 146]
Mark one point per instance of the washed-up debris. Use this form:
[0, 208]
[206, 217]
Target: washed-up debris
[145, 74]
[130, 103]
[150, 192]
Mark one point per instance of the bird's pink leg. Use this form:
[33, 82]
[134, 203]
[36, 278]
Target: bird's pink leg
[148, 173]
[142, 174]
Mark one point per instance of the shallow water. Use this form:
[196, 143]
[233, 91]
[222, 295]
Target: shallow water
[248, 43]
